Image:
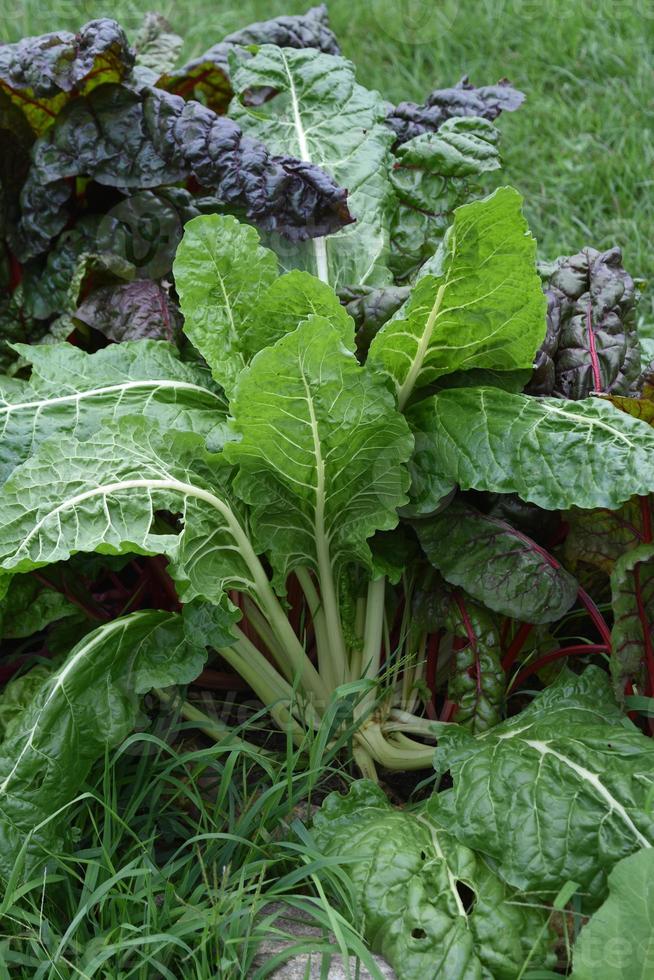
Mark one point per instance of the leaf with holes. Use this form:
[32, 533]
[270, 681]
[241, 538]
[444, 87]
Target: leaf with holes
[428, 904]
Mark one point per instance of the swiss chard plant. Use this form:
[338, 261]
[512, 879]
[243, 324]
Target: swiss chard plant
[355, 446]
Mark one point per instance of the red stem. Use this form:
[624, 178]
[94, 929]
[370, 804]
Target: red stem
[592, 349]
[516, 646]
[596, 617]
[646, 517]
[579, 648]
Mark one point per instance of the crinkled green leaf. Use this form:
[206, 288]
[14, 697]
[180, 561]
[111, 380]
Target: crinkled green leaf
[432, 175]
[18, 695]
[221, 271]
[103, 495]
[618, 942]
[428, 904]
[480, 306]
[317, 112]
[30, 606]
[73, 393]
[208, 77]
[157, 46]
[632, 598]
[321, 450]
[559, 792]
[552, 452]
[496, 564]
[88, 705]
[477, 683]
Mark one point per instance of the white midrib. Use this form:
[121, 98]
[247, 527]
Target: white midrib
[584, 420]
[65, 672]
[338, 659]
[452, 880]
[106, 390]
[590, 777]
[319, 244]
[423, 346]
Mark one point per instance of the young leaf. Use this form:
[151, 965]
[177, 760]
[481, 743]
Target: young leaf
[559, 792]
[618, 942]
[318, 113]
[73, 393]
[552, 452]
[463, 99]
[221, 271]
[88, 705]
[496, 564]
[430, 906]
[480, 305]
[321, 451]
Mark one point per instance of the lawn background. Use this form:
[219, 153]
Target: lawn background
[581, 150]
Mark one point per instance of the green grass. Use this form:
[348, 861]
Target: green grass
[581, 150]
[180, 860]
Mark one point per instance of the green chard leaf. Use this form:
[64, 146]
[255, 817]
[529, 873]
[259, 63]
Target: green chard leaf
[74, 393]
[88, 705]
[496, 564]
[321, 451]
[479, 304]
[429, 905]
[552, 452]
[477, 683]
[316, 111]
[632, 635]
[559, 792]
[618, 942]
[234, 301]
[30, 606]
[104, 494]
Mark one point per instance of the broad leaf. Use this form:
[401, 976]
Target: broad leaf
[479, 306]
[73, 393]
[317, 112]
[552, 452]
[88, 705]
[496, 564]
[428, 904]
[140, 310]
[104, 494]
[321, 450]
[559, 792]
[618, 942]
